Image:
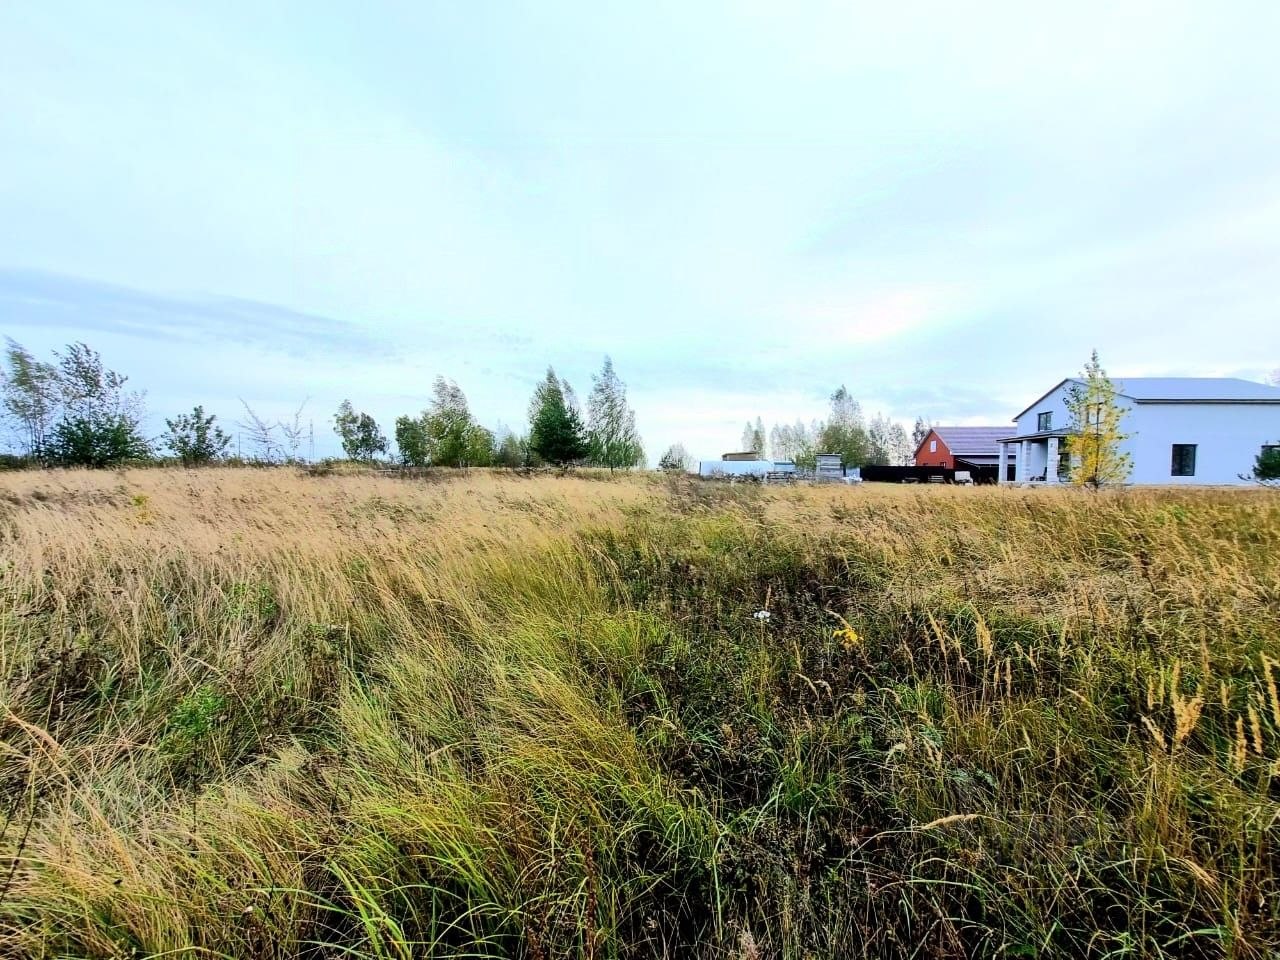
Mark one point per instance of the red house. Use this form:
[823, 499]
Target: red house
[960, 448]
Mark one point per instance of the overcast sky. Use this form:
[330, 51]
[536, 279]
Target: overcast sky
[943, 206]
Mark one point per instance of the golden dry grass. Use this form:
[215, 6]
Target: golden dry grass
[262, 713]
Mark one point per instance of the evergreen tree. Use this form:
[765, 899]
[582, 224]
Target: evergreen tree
[194, 438]
[612, 438]
[1093, 443]
[1266, 468]
[555, 430]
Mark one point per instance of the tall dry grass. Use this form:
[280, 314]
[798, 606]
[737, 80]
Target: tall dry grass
[257, 713]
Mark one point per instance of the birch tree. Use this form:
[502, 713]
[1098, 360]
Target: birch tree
[845, 432]
[361, 437]
[921, 430]
[612, 438]
[29, 389]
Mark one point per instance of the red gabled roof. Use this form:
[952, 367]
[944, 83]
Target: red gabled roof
[968, 441]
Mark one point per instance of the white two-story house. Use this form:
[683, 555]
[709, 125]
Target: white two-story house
[1181, 430]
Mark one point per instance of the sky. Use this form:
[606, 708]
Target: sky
[944, 207]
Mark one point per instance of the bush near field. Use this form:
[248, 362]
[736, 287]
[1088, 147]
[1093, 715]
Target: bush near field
[263, 714]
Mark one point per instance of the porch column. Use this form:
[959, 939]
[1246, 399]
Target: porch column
[1024, 461]
[1002, 476]
[1051, 462]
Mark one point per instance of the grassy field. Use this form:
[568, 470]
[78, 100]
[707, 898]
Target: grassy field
[264, 714]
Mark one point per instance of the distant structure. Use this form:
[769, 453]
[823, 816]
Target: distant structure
[829, 468]
[746, 464]
[963, 448]
[1181, 430]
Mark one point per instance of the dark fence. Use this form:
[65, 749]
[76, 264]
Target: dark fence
[882, 474]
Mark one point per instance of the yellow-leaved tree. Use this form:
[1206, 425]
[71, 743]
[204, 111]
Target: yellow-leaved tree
[1094, 443]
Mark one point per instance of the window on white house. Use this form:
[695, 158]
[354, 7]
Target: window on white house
[1044, 421]
[1184, 460]
[933, 446]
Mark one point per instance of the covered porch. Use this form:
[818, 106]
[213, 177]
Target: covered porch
[1038, 457]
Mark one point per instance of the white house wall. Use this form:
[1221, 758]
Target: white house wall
[1228, 436]
[1055, 403]
[1228, 439]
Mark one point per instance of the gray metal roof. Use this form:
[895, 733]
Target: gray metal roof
[972, 441]
[1191, 389]
[1180, 390]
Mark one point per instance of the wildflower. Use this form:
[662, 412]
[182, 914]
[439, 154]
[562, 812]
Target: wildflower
[847, 636]
[761, 615]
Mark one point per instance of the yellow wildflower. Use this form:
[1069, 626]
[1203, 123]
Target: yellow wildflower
[847, 636]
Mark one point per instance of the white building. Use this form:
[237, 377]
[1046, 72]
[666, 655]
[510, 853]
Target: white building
[1182, 430]
[734, 468]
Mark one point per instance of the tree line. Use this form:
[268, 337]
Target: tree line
[446, 434]
[846, 432]
[73, 411]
